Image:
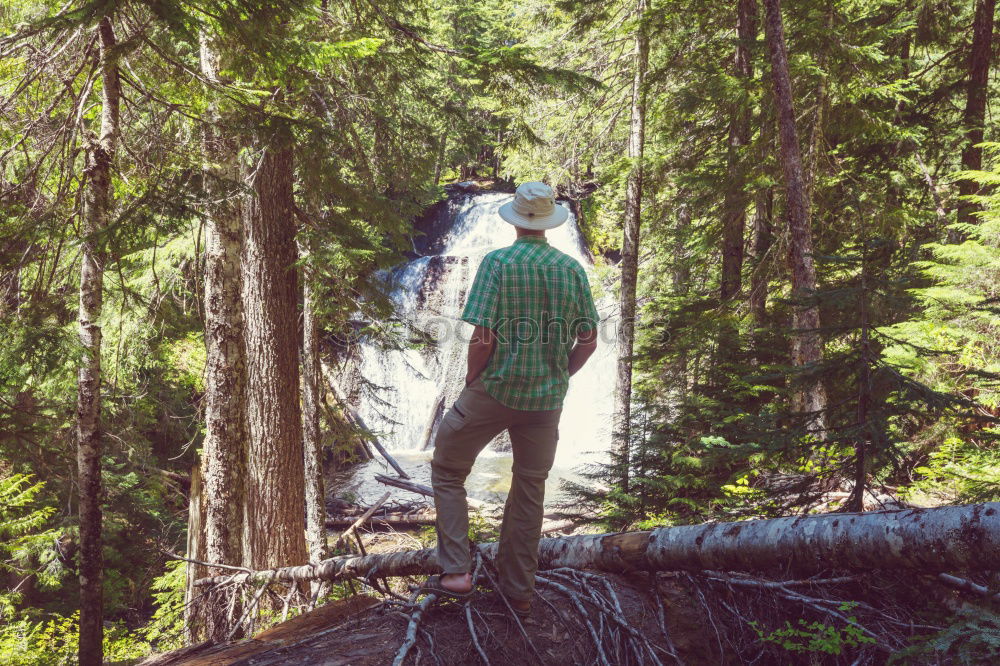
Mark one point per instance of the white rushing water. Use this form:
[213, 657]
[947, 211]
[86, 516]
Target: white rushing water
[409, 389]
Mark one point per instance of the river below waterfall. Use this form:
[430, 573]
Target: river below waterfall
[402, 393]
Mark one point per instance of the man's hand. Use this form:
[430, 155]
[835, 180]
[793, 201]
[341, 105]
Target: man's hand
[480, 349]
[586, 343]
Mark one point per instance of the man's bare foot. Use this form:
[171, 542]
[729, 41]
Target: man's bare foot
[458, 583]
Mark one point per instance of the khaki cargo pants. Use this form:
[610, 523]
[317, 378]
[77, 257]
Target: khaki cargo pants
[472, 422]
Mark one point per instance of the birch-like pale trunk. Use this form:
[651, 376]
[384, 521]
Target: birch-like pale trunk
[952, 538]
[224, 456]
[275, 477]
[807, 346]
[312, 443]
[630, 250]
[224, 452]
[194, 624]
[100, 155]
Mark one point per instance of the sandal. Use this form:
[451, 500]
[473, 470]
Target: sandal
[522, 613]
[433, 586]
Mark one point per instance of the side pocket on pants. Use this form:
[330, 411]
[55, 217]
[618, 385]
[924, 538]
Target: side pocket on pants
[455, 419]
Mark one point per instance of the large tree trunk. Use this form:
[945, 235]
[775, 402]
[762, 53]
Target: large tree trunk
[974, 118]
[97, 194]
[630, 249]
[224, 451]
[734, 207]
[806, 342]
[312, 444]
[275, 470]
[953, 538]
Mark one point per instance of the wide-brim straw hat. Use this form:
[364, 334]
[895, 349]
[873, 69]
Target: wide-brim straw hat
[534, 207]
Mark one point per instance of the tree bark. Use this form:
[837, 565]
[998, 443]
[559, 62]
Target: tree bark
[100, 155]
[763, 230]
[428, 517]
[224, 456]
[312, 443]
[630, 250]
[194, 622]
[763, 238]
[974, 118]
[865, 433]
[275, 478]
[681, 278]
[734, 206]
[806, 342]
[953, 538]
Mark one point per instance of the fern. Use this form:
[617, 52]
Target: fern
[973, 639]
[25, 546]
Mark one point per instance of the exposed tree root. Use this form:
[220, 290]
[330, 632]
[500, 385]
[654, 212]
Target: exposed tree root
[584, 617]
[590, 617]
[411, 629]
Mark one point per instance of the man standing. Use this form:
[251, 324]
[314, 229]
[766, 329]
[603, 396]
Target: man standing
[535, 325]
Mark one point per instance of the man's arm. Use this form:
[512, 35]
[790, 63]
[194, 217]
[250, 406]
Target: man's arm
[586, 343]
[480, 349]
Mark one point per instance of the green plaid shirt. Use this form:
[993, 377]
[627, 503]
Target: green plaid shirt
[537, 300]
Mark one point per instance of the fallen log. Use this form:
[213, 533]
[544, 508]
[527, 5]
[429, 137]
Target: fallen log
[417, 518]
[361, 520]
[386, 519]
[968, 586]
[355, 419]
[419, 488]
[954, 538]
[381, 449]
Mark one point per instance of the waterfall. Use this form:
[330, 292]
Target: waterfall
[409, 388]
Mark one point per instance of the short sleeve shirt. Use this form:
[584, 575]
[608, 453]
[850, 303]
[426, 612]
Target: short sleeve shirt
[536, 300]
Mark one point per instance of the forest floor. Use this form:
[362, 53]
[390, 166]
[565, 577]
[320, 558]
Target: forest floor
[589, 618]
[581, 617]
[364, 631]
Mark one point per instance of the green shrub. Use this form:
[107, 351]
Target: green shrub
[817, 637]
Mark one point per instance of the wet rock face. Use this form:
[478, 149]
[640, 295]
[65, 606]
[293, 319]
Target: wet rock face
[433, 225]
[439, 268]
[431, 229]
